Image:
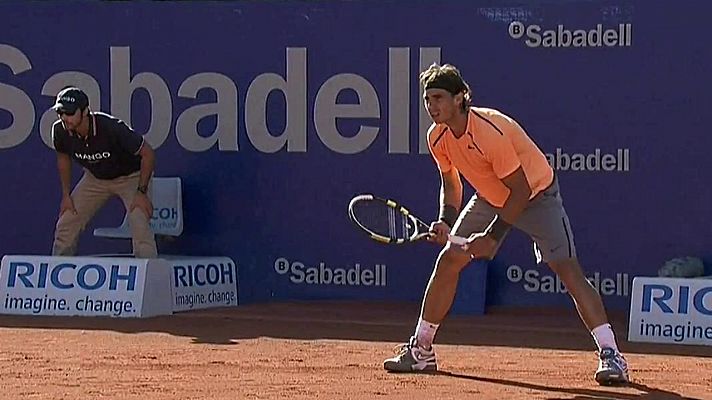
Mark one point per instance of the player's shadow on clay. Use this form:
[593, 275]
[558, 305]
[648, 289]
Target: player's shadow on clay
[646, 392]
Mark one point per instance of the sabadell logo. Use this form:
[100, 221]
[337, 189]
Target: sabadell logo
[563, 37]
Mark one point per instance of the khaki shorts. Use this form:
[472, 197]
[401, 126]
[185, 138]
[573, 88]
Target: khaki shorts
[544, 220]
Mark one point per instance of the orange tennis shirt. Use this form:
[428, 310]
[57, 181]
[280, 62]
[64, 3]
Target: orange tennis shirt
[493, 146]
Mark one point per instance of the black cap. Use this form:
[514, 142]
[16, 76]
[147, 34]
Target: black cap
[71, 98]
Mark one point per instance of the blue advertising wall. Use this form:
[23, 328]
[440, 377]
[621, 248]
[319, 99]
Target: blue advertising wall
[275, 115]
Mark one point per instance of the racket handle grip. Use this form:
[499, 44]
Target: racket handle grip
[460, 241]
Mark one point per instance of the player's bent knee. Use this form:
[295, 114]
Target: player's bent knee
[452, 260]
[68, 221]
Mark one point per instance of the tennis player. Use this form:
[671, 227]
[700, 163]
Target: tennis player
[515, 187]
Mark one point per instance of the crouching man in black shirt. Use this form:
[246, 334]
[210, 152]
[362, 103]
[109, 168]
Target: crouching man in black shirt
[117, 162]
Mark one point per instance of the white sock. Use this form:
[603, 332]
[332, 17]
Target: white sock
[425, 333]
[604, 337]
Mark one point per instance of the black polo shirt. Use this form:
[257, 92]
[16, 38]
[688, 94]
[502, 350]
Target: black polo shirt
[109, 151]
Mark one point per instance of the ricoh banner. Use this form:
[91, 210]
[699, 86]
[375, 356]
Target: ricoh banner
[203, 282]
[275, 115]
[669, 310]
[84, 286]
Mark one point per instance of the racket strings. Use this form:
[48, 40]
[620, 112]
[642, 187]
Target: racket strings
[404, 227]
[382, 219]
[392, 222]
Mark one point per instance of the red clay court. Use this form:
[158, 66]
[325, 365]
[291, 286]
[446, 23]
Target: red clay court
[329, 351]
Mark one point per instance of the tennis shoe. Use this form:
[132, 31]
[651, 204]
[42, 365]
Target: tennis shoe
[411, 357]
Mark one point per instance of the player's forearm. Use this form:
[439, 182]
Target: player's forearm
[508, 214]
[450, 197]
[148, 162]
[451, 194]
[515, 204]
[519, 192]
[64, 167]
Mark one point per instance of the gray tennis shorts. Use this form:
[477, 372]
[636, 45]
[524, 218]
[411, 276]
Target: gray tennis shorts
[544, 220]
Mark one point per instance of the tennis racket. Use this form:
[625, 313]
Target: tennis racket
[387, 221]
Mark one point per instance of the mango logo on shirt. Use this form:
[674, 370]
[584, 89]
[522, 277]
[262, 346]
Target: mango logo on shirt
[93, 157]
